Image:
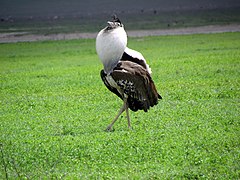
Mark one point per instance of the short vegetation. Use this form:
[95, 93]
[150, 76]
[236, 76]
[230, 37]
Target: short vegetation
[54, 109]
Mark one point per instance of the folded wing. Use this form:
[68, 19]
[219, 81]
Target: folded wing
[134, 82]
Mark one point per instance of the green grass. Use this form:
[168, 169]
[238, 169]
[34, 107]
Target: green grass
[54, 109]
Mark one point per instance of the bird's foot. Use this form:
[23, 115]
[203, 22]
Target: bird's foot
[109, 128]
[130, 128]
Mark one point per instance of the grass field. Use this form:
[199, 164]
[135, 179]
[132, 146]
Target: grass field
[54, 109]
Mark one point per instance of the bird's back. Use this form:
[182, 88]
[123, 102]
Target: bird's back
[134, 82]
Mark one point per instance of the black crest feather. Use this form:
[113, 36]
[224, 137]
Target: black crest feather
[115, 18]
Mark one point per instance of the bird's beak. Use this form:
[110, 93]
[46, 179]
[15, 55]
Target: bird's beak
[110, 24]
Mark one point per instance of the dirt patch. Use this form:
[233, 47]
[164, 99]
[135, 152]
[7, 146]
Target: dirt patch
[25, 37]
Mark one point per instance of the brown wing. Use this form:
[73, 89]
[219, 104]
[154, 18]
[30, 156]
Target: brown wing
[127, 57]
[110, 88]
[137, 84]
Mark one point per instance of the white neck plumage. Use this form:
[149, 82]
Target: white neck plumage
[110, 46]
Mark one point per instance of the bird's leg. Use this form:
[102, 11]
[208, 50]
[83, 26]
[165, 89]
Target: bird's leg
[127, 112]
[128, 118]
[115, 119]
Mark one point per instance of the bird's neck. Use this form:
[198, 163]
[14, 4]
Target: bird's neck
[110, 46]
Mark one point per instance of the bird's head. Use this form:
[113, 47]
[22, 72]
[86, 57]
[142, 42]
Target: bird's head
[114, 23]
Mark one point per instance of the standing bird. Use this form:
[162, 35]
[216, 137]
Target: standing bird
[125, 72]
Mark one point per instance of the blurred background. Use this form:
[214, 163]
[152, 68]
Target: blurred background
[61, 16]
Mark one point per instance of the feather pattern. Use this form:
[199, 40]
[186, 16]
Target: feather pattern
[133, 82]
[135, 56]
